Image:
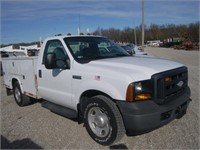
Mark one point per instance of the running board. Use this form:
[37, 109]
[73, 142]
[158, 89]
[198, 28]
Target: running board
[61, 110]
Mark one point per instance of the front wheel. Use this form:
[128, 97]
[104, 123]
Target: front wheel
[103, 120]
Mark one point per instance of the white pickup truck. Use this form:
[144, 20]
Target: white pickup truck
[112, 92]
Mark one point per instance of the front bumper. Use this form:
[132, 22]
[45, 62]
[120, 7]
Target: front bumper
[145, 116]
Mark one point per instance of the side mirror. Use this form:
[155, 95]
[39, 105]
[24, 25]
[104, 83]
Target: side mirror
[50, 61]
[62, 63]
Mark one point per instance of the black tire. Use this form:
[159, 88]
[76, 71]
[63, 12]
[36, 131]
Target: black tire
[103, 120]
[20, 98]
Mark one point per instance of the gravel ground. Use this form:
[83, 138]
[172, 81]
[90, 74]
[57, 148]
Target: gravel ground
[34, 127]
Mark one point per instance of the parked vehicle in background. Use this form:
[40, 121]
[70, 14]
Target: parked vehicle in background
[135, 49]
[31, 50]
[109, 90]
[155, 43]
[10, 51]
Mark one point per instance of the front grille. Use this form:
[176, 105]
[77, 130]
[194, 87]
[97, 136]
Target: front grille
[170, 84]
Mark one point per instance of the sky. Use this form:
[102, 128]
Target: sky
[30, 20]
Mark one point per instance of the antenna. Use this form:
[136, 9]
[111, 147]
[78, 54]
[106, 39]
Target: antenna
[79, 25]
[40, 41]
[88, 30]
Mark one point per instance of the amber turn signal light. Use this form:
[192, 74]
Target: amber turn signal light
[144, 96]
[129, 93]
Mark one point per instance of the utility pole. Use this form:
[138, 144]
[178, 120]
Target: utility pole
[135, 36]
[143, 25]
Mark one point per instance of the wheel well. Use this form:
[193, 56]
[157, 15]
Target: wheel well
[92, 93]
[88, 94]
[14, 81]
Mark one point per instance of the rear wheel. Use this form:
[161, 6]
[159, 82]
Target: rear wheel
[20, 99]
[103, 120]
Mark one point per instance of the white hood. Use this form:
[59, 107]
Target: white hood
[138, 68]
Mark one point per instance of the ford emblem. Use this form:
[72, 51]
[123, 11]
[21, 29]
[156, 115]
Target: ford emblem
[180, 83]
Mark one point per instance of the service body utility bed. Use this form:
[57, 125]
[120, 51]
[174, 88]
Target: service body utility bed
[24, 70]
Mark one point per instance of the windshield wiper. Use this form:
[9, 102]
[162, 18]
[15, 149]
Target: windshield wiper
[121, 55]
[88, 59]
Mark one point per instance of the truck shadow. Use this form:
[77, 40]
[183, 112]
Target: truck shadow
[18, 144]
[118, 146]
[58, 111]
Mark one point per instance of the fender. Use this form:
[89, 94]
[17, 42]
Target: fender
[115, 92]
[20, 83]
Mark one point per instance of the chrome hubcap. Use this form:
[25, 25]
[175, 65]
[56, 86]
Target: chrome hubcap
[18, 95]
[98, 122]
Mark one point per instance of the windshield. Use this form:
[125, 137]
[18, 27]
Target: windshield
[87, 48]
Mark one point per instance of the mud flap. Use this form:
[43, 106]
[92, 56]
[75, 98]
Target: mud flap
[9, 92]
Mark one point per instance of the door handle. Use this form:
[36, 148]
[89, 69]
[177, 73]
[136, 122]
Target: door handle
[40, 73]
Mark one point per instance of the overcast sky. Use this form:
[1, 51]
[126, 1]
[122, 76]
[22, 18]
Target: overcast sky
[28, 20]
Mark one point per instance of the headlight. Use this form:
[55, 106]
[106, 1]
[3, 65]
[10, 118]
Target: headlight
[138, 91]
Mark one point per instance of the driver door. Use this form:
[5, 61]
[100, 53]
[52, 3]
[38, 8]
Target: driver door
[55, 84]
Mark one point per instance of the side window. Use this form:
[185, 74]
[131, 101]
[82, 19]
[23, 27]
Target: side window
[54, 46]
